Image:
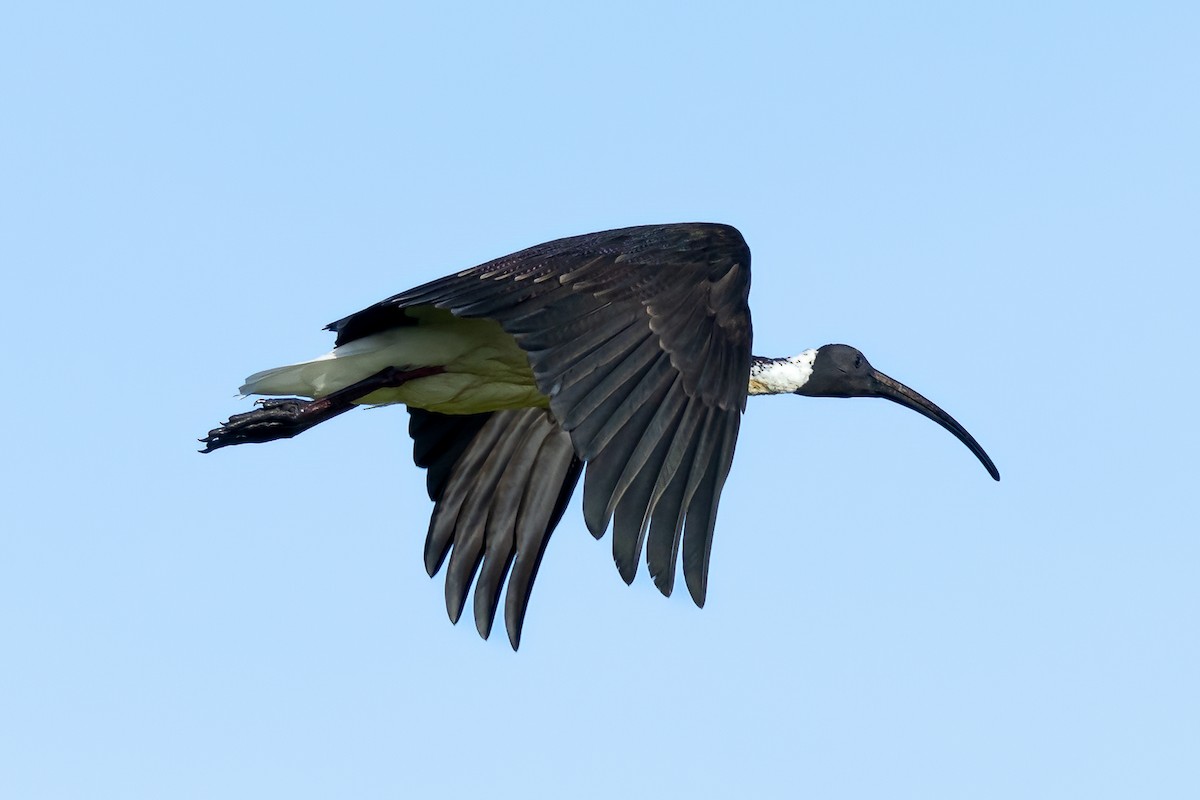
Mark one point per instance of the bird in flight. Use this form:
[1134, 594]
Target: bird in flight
[626, 350]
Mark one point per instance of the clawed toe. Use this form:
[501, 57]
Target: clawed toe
[274, 419]
[280, 402]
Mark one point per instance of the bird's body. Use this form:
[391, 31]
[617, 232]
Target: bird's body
[627, 350]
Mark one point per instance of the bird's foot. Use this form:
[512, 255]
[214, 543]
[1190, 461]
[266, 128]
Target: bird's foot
[274, 419]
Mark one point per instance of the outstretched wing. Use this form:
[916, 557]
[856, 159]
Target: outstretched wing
[500, 482]
[641, 339]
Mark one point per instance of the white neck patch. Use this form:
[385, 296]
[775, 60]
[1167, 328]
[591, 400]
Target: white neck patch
[781, 375]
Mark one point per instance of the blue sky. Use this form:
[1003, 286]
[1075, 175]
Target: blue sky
[998, 205]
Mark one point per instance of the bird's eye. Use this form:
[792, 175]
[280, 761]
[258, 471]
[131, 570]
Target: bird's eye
[858, 361]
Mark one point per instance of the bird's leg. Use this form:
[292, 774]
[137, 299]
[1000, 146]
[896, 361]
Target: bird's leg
[283, 418]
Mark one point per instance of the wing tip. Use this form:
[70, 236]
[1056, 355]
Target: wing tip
[697, 585]
[484, 626]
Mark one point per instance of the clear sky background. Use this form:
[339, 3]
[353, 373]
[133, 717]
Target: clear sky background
[998, 205]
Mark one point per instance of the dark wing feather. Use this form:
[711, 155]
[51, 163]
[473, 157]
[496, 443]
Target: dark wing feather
[557, 469]
[641, 339]
[438, 442]
[507, 479]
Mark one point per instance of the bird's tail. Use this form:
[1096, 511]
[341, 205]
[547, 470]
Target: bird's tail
[345, 365]
[300, 379]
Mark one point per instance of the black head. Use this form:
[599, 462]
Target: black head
[840, 370]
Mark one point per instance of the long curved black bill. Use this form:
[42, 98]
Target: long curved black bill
[897, 392]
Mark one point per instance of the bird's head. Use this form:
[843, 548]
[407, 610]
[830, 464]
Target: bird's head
[839, 370]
